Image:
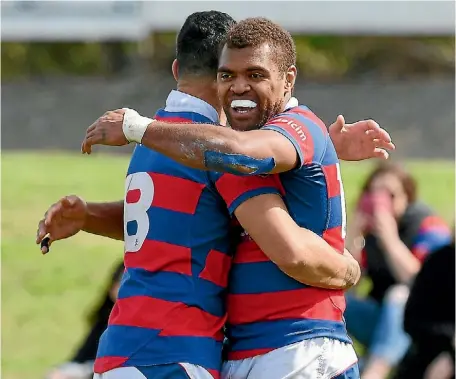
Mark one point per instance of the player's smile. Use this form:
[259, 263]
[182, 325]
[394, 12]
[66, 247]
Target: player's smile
[243, 106]
[242, 111]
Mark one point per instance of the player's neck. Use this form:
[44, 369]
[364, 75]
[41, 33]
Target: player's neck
[288, 96]
[203, 89]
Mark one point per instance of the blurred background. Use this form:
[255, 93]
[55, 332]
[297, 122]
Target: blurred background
[64, 63]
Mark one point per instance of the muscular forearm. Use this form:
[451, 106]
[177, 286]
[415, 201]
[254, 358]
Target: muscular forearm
[221, 149]
[189, 143]
[402, 262]
[105, 219]
[316, 263]
[344, 273]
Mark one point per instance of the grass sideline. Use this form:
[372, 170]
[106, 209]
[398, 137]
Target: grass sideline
[45, 299]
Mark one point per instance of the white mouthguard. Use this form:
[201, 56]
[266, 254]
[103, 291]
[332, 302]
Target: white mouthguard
[243, 104]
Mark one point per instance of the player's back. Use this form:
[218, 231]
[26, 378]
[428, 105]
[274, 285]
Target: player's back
[170, 305]
[266, 308]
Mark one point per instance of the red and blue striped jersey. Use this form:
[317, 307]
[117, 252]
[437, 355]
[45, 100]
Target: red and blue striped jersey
[178, 252]
[266, 308]
[433, 233]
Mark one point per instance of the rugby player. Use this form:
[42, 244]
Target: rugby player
[168, 319]
[277, 327]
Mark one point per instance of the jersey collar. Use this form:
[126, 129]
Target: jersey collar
[293, 102]
[181, 102]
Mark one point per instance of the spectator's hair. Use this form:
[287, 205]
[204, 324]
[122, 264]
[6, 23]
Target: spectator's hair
[254, 32]
[408, 182]
[199, 40]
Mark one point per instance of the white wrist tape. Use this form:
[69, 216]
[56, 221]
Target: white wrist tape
[134, 125]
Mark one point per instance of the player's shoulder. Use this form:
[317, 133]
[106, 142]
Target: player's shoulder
[299, 117]
[302, 110]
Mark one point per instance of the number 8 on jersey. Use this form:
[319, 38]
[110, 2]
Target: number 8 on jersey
[139, 193]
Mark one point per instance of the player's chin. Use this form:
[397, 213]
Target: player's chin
[243, 121]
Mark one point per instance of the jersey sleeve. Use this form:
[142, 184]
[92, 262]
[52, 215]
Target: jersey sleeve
[432, 234]
[236, 189]
[305, 131]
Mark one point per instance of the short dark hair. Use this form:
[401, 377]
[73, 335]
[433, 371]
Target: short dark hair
[199, 40]
[407, 180]
[254, 32]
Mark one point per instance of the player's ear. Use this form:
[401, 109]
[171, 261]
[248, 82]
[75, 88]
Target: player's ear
[290, 78]
[175, 69]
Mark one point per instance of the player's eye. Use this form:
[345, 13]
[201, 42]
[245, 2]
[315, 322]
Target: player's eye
[224, 76]
[257, 75]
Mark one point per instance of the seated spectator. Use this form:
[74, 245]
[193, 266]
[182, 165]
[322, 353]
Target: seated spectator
[80, 366]
[391, 234]
[429, 319]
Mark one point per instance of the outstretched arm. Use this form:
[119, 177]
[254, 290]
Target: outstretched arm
[201, 146]
[206, 147]
[71, 214]
[105, 219]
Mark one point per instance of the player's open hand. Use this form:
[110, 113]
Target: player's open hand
[63, 219]
[361, 140]
[107, 130]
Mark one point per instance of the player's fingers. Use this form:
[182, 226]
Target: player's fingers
[92, 133]
[383, 134]
[53, 213]
[93, 126]
[89, 140]
[69, 206]
[41, 232]
[83, 147]
[382, 144]
[380, 153]
[88, 148]
[340, 121]
[368, 126]
[68, 201]
[379, 133]
[117, 111]
[372, 124]
[92, 140]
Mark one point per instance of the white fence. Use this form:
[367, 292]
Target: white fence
[133, 20]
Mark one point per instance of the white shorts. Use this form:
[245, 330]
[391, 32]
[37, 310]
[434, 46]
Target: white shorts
[73, 370]
[317, 358]
[173, 371]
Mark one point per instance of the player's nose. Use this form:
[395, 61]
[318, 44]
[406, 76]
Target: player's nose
[240, 86]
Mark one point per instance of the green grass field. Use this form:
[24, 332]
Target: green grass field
[45, 298]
